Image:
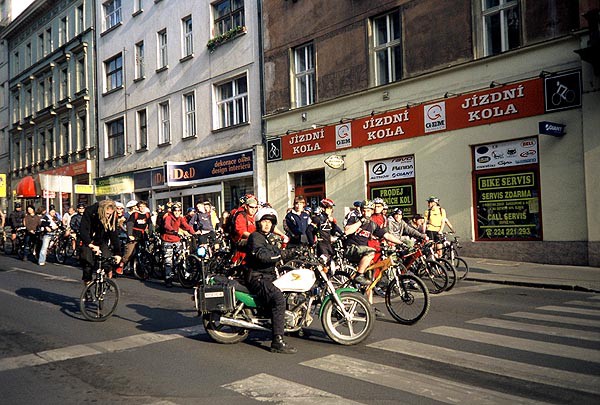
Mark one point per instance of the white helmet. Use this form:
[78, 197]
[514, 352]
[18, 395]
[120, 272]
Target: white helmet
[266, 213]
[131, 204]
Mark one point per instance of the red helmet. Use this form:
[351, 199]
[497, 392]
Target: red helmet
[327, 203]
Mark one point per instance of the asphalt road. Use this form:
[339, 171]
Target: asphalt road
[480, 343]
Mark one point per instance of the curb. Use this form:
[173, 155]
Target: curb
[565, 287]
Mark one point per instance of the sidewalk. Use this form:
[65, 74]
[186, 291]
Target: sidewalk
[578, 278]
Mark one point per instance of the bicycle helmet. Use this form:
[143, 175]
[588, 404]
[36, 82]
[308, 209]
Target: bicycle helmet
[367, 204]
[327, 203]
[379, 201]
[433, 198]
[266, 213]
[397, 211]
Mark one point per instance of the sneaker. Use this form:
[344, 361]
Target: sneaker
[362, 280]
[278, 345]
[42, 264]
[120, 269]
[168, 283]
[379, 314]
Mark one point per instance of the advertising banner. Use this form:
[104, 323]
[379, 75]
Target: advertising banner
[506, 154]
[186, 173]
[397, 196]
[402, 167]
[114, 185]
[2, 185]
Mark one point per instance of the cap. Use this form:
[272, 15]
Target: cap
[131, 203]
[357, 203]
[190, 210]
[418, 216]
[119, 204]
[251, 201]
[81, 205]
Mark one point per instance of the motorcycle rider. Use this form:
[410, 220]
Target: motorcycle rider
[263, 253]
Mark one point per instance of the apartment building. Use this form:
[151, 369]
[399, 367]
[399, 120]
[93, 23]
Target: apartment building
[179, 105]
[490, 105]
[51, 110]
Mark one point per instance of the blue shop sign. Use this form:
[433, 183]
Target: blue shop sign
[185, 173]
[149, 178]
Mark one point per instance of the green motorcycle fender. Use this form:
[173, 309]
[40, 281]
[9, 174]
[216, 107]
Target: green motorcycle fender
[339, 292]
[246, 298]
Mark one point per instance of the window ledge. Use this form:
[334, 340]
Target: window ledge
[162, 69]
[157, 1]
[162, 145]
[139, 79]
[137, 12]
[114, 157]
[106, 93]
[228, 36]
[140, 150]
[114, 27]
[243, 124]
[187, 138]
[186, 58]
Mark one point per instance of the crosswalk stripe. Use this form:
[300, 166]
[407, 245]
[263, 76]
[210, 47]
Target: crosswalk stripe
[571, 310]
[545, 330]
[493, 365]
[267, 388]
[109, 346]
[423, 385]
[585, 303]
[555, 318]
[595, 297]
[553, 349]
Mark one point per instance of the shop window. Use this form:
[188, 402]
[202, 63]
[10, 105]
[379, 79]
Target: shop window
[394, 180]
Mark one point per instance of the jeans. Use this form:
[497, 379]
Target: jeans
[44, 249]
[168, 250]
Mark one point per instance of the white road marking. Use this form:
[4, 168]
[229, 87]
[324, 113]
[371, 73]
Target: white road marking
[109, 346]
[571, 310]
[555, 318]
[493, 365]
[585, 303]
[545, 330]
[438, 389]
[536, 346]
[46, 276]
[465, 290]
[267, 388]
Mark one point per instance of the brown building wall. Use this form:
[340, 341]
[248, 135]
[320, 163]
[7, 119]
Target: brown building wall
[549, 19]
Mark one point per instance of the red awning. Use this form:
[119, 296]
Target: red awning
[26, 188]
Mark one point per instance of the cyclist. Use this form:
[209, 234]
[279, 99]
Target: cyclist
[99, 236]
[323, 227]
[15, 220]
[435, 220]
[173, 222]
[399, 228]
[354, 212]
[137, 226]
[32, 223]
[297, 221]
[263, 254]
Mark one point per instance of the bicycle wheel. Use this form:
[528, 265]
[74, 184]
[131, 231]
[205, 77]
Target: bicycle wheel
[21, 250]
[60, 253]
[188, 272]
[9, 246]
[452, 273]
[98, 300]
[142, 265]
[462, 268]
[407, 299]
[434, 276]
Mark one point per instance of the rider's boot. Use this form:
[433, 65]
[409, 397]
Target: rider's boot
[278, 345]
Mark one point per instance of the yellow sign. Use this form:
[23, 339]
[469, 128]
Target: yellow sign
[2, 185]
[84, 189]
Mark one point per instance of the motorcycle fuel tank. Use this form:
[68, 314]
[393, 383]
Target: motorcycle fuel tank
[298, 280]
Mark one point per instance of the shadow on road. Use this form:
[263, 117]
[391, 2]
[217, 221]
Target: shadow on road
[68, 305]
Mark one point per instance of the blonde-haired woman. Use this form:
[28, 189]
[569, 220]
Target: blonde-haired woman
[99, 235]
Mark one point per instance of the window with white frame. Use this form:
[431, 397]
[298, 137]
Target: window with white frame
[43, 147]
[64, 82]
[142, 129]
[115, 137]
[164, 128]
[232, 102]
[189, 107]
[139, 5]
[81, 73]
[114, 72]
[387, 48]
[501, 21]
[112, 13]
[139, 60]
[81, 131]
[304, 75]
[49, 43]
[80, 19]
[188, 39]
[228, 14]
[162, 49]
[63, 32]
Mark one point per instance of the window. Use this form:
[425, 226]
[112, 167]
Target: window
[81, 131]
[16, 106]
[188, 42]
[304, 75]
[114, 72]
[49, 85]
[63, 31]
[81, 73]
[17, 156]
[228, 14]
[28, 59]
[42, 103]
[112, 13]
[164, 133]
[387, 49]
[139, 6]
[50, 143]
[115, 131]
[80, 19]
[501, 26]
[65, 138]
[189, 105]
[43, 146]
[29, 150]
[139, 60]
[17, 62]
[232, 102]
[162, 49]
[41, 46]
[28, 100]
[142, 130]
[64, 82]
[48, 40]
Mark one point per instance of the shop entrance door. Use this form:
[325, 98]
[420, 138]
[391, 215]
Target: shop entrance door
[311, 185]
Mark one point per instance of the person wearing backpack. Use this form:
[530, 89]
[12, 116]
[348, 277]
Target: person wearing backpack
[242, 226]
[137, 226]
[435, 220]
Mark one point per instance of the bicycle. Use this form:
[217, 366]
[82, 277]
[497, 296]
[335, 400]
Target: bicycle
[16, 246]
[406, 295]
[433, 274]
[450, 252]
[99, 298]
[148, 260]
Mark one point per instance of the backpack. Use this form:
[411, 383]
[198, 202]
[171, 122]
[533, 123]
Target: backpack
[229, 225]
[160, 223]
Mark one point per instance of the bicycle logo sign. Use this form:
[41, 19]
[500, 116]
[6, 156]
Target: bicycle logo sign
[273, 149]
[562, 91]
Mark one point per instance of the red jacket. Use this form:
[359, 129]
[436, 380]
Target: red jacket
[172, 225]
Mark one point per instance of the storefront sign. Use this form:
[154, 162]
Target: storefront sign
[335, 161]
[149, 178]
[75, 169]
[506, 154]
[391, 169]
[562, 91]
[186, 173]
[2, 185]
[551, 128]
[48, 194]
[84, 189]
[395, 196]
[115, 185]
[508, 206]
[273, 149]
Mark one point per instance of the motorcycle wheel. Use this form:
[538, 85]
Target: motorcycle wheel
[354, 331]
[222, 333]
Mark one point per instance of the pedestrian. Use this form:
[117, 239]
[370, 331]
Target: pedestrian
[297, 221]
[48, 225]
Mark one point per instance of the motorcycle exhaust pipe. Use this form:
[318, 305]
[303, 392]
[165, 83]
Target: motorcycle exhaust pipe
[242, 324]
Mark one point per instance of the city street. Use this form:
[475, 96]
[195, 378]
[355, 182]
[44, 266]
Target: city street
[480, 343]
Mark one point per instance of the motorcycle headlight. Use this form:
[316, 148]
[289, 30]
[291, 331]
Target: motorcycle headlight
[201, 252]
